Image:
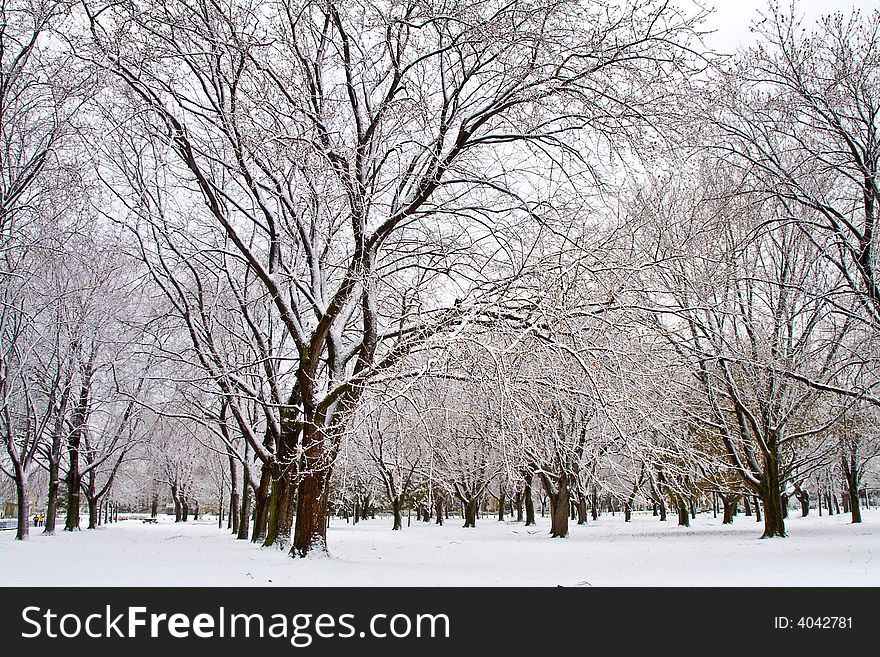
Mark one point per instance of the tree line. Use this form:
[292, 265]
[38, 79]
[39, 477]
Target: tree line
[307, 255]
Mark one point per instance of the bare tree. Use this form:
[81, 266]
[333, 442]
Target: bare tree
[349, 153]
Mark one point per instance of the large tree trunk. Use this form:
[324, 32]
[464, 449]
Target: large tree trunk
[310, 533]
[178, 514]
[93, 513]
[470, 512]
[803, 497]
[261, 505]
[683, 516]
[581, 507]
[23, 498]
[244, 517]
[438, 510]
[282, 498]
[54, 485]
[395, 511]
[729, 503]
[529, 502]
[92, 500]
[74, 481]
[774, 519]
[74, 439]
[281, 506]
[854, 505]
[559, 508]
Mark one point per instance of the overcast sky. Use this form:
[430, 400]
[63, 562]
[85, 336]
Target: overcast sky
[733, 17]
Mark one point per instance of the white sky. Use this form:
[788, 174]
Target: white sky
[733, 17]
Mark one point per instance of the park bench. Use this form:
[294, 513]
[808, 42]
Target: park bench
[150, 521]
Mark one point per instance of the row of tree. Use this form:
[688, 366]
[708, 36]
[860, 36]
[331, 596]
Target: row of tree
[474, 248]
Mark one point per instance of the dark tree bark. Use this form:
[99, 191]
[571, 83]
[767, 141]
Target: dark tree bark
[438, 510]
[24, 508]
[803, 496]
[683, 516]
[178, 514]
[501, 500]
[74, 441]
[310, 533]
[529, 501]
[396, 504]
[280, 507]
[559, 509]
[54, 483]
[518, 505]
[581, 507]
[470, 512]
[729, 503]
[852, 476]
[771, 497]
[281, 503]
[261, 504]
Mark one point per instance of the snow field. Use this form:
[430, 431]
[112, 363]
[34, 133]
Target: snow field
[827, 551]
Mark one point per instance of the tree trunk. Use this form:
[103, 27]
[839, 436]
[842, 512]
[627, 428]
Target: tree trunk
[395, 511]
[854, 507]
[728, 503]
[438, 510]
[774, 523]
[261, 505]
[559, 508]
[281, 505]
[470, 512]
[803, 497]
[52, 499]
[518, 505]
[683, 516]
[178, 515]
[234, 507]
[310, 533]
[529, 502]
[244, 515]
[581, 507]
[74, 480]
[93, 513]
[23, 499]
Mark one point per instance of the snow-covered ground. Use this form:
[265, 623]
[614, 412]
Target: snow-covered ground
[826, 551]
